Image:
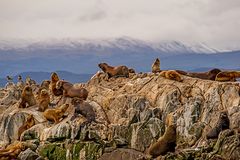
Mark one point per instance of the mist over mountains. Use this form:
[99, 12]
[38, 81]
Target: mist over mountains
[82, 56]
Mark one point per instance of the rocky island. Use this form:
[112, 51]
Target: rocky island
[131, 115]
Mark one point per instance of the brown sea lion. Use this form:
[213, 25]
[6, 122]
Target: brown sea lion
[156, 66]
[27, 97]
[69, 90]
[28, 124]
[228, 76]
[209, 75]
[43, 100]
[55, 114]
[171, 74]
[164, 144]
[222, 124]
[118, 71]
[54, 80]
[12, 151]
[85, 109]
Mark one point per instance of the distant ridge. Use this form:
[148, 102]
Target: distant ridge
[40, 76]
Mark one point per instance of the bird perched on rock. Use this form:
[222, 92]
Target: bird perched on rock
[9, 78]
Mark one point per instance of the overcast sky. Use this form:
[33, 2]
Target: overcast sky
[215, 22]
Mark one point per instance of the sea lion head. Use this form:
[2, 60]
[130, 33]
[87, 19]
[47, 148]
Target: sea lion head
[214, 71]
[59, 85]
[54, 76]
[28, 90]
[103, 66]
[223, 115]
[44, 92]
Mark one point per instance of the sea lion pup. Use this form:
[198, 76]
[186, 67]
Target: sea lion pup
[118, 71]
[209, 75]
[12, 151]
[156, 66]
[27, 97]
[171, 74]
[55, 114]
[164, 144]
[43, 100]
[228, 76]
[54, 80]
[26, 125]
[85, 109]
[222, 124]
[69, 90]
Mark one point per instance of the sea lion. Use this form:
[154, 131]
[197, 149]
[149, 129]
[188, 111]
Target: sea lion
[171, 74]
[55, 114]
[27, 97]
[209, 75]
[43, 100]
[26, 125]
[69, 90]
[228, 76]
[156, 66]
[85, 109]
[118, 71]
[164, 144]
[222, 124]
[54, 80]
[12, 151]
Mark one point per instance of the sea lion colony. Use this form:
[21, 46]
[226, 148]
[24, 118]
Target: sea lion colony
[57, 87]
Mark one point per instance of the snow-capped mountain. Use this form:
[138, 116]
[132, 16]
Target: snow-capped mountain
[109, 45]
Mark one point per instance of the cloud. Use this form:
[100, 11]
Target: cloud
[215, 22]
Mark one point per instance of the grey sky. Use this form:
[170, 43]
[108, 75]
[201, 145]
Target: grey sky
[215, 22]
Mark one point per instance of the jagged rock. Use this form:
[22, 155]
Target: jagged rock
[28, 155]
[123, 154]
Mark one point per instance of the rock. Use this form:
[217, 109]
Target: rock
[123, 154]
[131, 114]
[28, 155]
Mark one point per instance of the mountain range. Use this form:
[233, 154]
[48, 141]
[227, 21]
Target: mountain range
[82, 56]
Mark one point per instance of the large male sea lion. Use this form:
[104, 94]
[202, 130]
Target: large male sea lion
[118, 71]
[85, 109]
